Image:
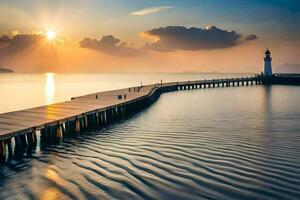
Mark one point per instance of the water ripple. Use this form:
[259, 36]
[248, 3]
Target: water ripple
[173, 150]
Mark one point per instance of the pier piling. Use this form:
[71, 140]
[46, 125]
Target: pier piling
[2, 152]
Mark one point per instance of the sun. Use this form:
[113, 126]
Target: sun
[51, 35]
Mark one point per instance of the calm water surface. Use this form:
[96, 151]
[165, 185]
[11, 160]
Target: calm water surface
[20, 91]
[218, 143]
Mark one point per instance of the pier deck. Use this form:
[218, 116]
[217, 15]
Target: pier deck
[83, 113]
[28, 120]
[24, 120]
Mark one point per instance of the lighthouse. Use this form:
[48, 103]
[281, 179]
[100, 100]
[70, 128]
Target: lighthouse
[268, 64]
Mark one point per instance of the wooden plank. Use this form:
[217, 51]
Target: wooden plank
[55, 111]
[11, 125]
[19, 123]
[24, 116]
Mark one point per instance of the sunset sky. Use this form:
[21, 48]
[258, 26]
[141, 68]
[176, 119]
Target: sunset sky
[148, 35]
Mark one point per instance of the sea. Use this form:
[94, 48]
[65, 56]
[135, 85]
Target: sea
[214, 143]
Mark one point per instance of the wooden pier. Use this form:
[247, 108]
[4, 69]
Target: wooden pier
[18, 130]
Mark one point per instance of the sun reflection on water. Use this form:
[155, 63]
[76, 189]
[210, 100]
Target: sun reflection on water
[49, 88]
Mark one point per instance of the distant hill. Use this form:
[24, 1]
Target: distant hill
[4, 70]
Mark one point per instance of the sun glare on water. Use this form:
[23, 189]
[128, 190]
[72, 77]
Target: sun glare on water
[51, 35]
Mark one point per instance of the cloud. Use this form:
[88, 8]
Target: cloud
[172, 38]
[4, 39]
[22, 41]
[110, 45]
[27, 51]
[151, 10]
[251, 37]
[12, 45]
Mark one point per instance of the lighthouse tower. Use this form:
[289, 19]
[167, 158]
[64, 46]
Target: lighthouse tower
[268, 64]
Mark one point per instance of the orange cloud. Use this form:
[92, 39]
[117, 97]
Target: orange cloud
[111, 45]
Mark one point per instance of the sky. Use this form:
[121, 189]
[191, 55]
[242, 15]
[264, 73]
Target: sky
[134, 36]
